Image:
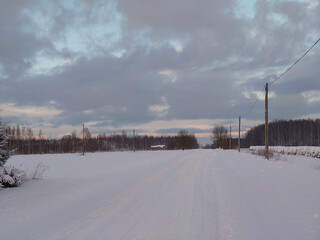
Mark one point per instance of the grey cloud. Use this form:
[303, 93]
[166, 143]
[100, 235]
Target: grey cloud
[175, 16]
[18, 47]
[219, 49]
[304, 77]
[289, 107]
[117, 89]
[189, 130]
[28, 28]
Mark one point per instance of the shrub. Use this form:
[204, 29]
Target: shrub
[11, 177]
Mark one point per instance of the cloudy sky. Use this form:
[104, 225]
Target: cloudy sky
[156, 66]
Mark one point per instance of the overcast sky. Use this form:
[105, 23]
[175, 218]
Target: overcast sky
[156, 66]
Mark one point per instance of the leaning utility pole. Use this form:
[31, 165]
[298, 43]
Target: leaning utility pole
[83, 148]
[239, 134]
[318, 134]
[266, 124]
[134, 140]
[230, 141]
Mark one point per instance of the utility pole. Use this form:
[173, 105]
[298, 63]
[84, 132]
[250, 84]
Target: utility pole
[239, 134]
[123, 133]
[230, 141]
[83, 148]
[266, 124]
[318, 134]
[134, 140]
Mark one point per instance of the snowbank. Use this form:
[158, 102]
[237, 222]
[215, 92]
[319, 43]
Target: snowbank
[304, 151]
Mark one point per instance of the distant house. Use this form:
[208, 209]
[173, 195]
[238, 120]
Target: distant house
[158, 147]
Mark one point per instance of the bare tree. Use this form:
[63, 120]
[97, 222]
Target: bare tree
[220, 137]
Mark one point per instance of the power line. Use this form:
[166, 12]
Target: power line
[280, 77]
[253, 104]
[266, 102]
[295, 63]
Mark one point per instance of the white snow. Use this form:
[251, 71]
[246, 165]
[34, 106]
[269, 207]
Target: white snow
[180, 195]
[301, 150]
[11, 176]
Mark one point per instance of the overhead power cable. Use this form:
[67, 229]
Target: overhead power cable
[253, 104]
[294, 63]
[280, 77]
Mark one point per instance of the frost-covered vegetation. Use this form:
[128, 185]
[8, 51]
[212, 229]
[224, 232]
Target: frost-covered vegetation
[304, 151]
[9, 176]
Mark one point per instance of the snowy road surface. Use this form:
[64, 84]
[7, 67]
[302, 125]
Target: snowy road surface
[179, 195]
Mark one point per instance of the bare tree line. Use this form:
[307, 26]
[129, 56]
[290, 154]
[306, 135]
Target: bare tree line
[23, 141]
[304, 132]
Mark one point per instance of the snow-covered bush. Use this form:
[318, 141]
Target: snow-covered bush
[9, 177]
[304, 151]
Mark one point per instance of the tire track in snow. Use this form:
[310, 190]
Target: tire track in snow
[185, 211]
[96, 218]
[199, 195]
[219, 195]
[238, 220]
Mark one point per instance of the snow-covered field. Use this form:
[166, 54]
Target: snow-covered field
[180, 195]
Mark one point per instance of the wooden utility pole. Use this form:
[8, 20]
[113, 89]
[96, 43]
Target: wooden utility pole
[134, 140]
[266, 124]
[239, 134]
[83, 148]
[230, 141]
[318, 134]
[123, 133]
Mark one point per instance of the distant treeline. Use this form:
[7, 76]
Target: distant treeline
[286, 133]
[23, 141]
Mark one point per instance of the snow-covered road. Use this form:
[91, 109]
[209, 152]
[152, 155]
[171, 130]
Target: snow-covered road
[180, 195]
